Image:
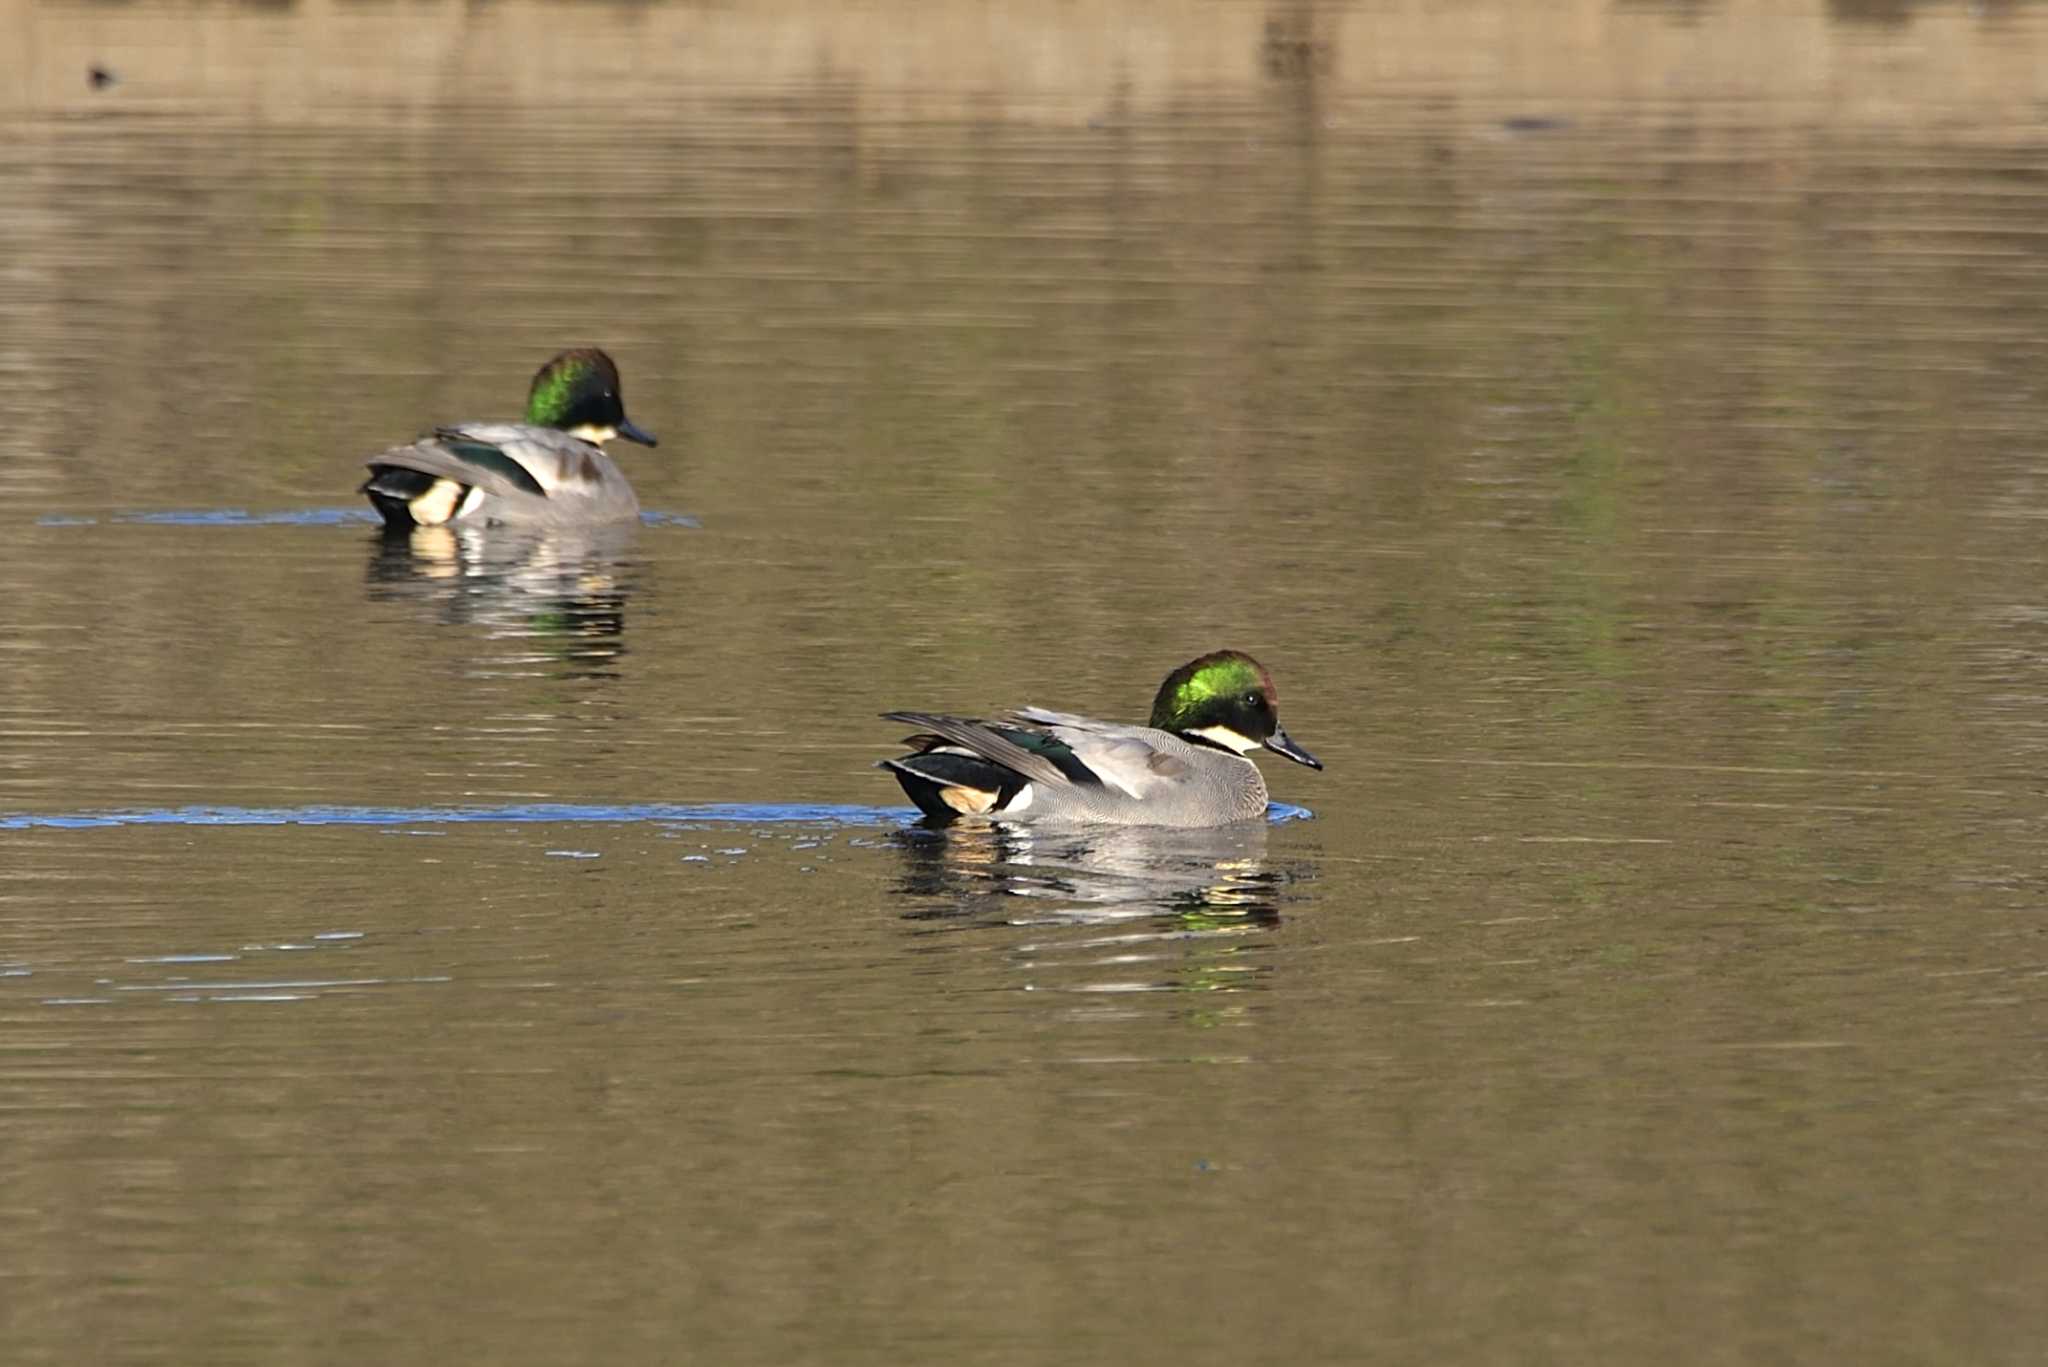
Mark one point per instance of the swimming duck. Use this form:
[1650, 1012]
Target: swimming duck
[549, 471]
[1188, 768]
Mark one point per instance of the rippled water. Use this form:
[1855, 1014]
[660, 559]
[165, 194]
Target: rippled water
[1619, 429]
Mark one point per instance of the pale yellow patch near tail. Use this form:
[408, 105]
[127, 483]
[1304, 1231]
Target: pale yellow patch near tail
[436, 505]
[968, 801]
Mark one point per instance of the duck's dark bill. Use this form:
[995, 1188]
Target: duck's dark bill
[631, 432]
[1280, 745]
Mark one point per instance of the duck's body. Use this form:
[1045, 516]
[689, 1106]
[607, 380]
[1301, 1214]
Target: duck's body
[549, 471]
[1188, 768]
[504, 472]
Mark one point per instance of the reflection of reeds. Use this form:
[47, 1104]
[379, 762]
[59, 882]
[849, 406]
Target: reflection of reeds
[1808, 62]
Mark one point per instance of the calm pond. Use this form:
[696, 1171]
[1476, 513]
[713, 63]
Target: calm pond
[1621, 428]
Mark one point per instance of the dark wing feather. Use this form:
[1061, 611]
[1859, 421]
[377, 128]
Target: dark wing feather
[991, 745]
[486, 456]
[450, 455]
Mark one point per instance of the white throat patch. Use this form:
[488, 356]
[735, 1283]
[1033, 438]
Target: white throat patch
[1228, 738]
[595, 433]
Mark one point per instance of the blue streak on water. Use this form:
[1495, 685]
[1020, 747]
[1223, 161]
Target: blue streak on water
[652, 519]
[720, 813]
[714, 813]
[241, 517]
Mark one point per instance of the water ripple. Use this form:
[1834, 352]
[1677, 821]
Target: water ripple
[288, 517]
[717, 813]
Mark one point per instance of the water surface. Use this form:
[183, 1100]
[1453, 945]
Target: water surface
[1617, 427]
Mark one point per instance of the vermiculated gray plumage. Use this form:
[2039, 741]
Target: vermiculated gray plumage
[1187, 768]
[527, 476]
[1134, 775]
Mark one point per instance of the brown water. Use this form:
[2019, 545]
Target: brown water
[1619, 429]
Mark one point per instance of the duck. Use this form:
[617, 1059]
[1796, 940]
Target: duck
[549, 471]
[1188, 767]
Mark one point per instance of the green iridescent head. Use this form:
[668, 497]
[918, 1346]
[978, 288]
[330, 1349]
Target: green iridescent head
[1225, 699]
[578, 392]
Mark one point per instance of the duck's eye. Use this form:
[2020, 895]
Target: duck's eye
[1254, 700]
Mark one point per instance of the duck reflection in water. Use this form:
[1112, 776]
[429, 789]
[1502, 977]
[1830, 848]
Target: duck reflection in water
[543, 595]
[1217, 878]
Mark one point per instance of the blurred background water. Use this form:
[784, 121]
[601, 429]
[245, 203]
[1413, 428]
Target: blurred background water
[1618, 427]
